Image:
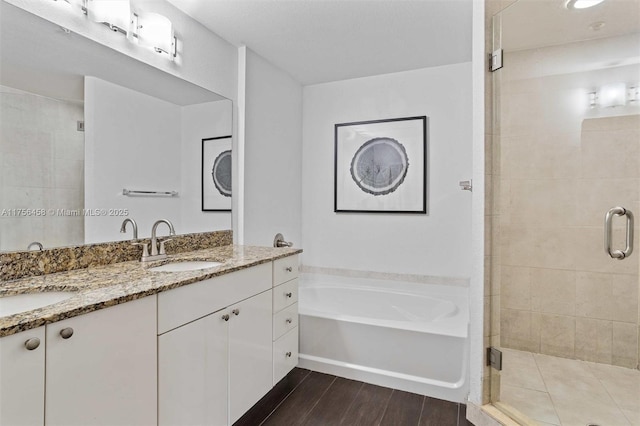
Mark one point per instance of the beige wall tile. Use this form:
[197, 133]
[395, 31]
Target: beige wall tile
[594, 340]
[543, 202]
[518, 330]
[486, 326]
[515, 289]
[542, 155]
[593, 295]
[553, 248]
[553, 291]
[607, 153]
[625, 345]
[557, 335]
[624, 293]
[596, 196]
[495, 315]
[590, 255]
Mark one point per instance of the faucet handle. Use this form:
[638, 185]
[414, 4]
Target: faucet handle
[145, 249]
[162, 250]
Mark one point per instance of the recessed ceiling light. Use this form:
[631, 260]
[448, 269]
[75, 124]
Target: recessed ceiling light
[581, 4]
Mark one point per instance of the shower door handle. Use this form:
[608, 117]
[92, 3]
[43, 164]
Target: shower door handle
[608, 231]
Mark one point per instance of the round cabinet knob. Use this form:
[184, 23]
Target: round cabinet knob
[288, 269]
[288, 294]
[236, 312]
[66, 332]
[225, 317]
[32, 343]
[289, 320]
[288, 354]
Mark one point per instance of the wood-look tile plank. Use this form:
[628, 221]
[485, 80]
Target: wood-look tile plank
[436, 412]
[368, 406]
[271, 400]
[404, 409]
[295, 408]
[462, 416]
[334, 403]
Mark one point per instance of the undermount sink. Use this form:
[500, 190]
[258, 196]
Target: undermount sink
[184, 266]
[17, 303]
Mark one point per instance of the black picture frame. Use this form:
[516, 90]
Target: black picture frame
[380, 166]
[215, 178]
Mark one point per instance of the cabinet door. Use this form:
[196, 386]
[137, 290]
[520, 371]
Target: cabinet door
[22, 378]
[193, 373]
[250, 353]
[106, 372]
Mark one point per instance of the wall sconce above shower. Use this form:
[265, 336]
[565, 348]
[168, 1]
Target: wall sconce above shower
[614, 95]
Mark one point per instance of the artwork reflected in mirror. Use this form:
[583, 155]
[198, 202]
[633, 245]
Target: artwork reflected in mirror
[216, 174]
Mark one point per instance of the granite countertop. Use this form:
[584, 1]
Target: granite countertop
[99, 287]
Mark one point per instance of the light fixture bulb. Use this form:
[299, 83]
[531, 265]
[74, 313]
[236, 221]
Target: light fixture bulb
[612, 95]
[582, 4]
[155, 31]
[115, 13]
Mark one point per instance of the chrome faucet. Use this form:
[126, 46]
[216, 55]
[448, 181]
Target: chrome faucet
[155, 252]
[37, 244]
[133, 223]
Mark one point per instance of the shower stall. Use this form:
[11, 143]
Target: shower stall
[565, 187]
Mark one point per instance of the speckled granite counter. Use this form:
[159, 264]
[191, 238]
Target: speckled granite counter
[103, 286]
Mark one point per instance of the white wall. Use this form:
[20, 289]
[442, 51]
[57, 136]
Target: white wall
[436, 244]
[133, 142]
[201, 121]
[272, 152]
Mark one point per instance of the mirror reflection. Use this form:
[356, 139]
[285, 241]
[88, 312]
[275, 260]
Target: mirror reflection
[81, 124]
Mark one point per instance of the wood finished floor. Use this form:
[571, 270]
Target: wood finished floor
[310, 398]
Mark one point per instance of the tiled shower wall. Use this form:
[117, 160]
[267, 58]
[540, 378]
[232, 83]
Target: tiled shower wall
[562, 166]
[42, 167]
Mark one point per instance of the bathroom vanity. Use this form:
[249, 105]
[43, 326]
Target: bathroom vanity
[137, 346]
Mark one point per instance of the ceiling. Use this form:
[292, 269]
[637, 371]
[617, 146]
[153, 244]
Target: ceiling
[318, 41]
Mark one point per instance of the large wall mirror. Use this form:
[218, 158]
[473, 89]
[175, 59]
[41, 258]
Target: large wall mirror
[80, 123]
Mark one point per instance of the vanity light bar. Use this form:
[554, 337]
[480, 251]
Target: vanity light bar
[132, 193]
[160, 36]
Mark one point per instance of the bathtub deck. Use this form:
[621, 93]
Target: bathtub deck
[311, 398]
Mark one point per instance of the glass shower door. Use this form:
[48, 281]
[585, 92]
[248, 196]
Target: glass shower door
[567, 122]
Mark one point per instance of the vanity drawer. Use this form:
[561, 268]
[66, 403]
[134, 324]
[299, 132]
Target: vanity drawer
[285, 320]
[284, 295]
[192, 301]
[285, 354]
[285, 269]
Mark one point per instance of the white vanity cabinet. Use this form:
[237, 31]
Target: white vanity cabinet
[214, 348]
[22, 378]
[285, 316]
[101, 367]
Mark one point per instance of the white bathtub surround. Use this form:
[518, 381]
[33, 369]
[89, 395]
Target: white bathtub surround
[404, 335]
[389, 276]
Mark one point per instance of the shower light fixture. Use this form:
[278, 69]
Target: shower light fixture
[581, 4]
[114, 13]
[613, 95]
